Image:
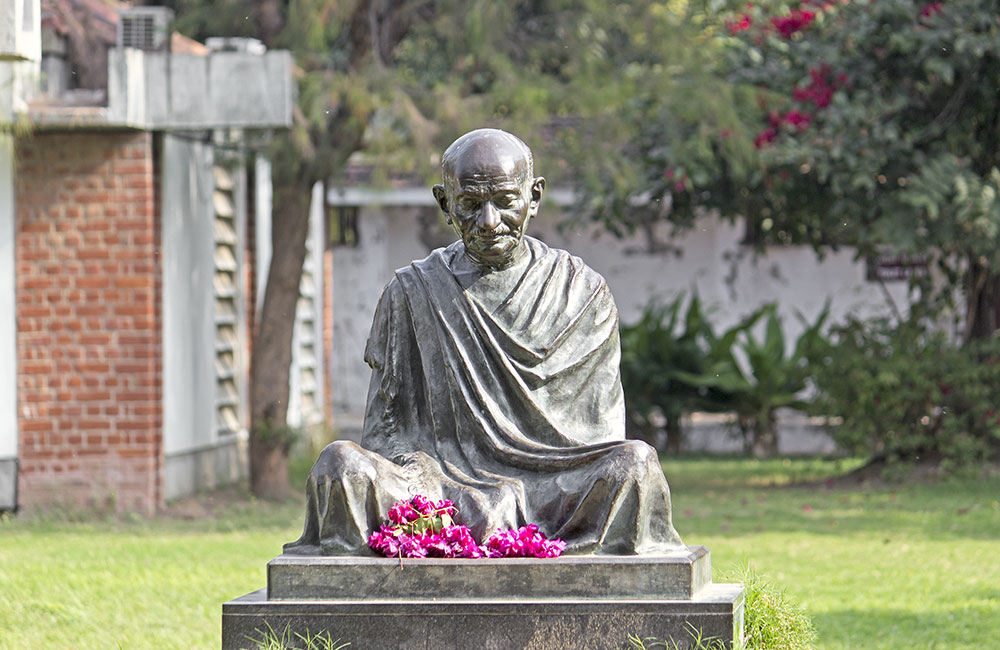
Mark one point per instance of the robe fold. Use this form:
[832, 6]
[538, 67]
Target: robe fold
[503, 395]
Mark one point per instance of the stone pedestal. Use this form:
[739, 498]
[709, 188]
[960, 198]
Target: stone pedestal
[580, 602]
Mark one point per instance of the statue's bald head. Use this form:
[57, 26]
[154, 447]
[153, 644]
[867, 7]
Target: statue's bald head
[487, 152]
[488, 194]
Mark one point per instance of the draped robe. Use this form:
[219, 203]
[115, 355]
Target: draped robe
[502, 393]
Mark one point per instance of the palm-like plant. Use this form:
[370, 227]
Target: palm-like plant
[755, 377]
[659, 352]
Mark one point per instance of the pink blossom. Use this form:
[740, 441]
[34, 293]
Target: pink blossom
[402, 512]
[932, 9]
[820, 89]
[794, 22]
[765, 136]
[741, 25]
[798, 119]
[526, 541]
[429, 537]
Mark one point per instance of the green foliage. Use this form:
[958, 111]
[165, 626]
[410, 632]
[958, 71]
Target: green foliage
[772, 620]
[282, 434]
[768, 378]
[906, 393]
[660, 352]
[878, 128]
[673, 363]
[269, 639]
[698, 642]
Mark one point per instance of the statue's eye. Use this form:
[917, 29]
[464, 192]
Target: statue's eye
[505, 201]
[469, 204]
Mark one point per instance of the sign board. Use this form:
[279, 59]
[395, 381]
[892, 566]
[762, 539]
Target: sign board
[896, 268]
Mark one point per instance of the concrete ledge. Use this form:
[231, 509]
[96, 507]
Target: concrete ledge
[8, 483]
[643, 577]
[205, 468]
[489, 624]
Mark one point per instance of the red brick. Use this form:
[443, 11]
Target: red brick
[87, 224]
[29, 424]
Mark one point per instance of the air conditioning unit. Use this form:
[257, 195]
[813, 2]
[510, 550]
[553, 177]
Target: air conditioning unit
[235, 44]
[145, 28]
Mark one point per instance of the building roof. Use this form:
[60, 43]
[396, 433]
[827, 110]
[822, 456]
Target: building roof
[100, 19]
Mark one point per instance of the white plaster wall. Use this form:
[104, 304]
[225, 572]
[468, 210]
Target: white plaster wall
[8, 328]
[727, 276]
[317, 246]
[793, 277]
[189, 384]
[313, 263]
[263, 193]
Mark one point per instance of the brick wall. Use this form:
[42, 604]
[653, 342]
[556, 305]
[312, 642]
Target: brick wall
[88, 318]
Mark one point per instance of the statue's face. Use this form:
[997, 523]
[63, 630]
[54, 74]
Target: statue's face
[489, 197]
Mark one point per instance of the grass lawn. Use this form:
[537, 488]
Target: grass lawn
[913, 566]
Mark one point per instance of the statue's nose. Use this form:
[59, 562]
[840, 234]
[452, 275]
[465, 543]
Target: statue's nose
[489, 217]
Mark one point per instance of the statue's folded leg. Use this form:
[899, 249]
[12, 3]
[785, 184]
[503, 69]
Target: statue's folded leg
[620, 505]
[348, 492]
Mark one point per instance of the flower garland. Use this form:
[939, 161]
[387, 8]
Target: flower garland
[424, 528]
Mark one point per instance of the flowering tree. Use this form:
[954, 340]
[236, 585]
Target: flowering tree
[874, 124]
[883, 130]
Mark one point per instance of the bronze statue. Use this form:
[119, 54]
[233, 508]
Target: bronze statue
[495, 383]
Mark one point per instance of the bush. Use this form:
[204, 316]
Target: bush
[906, 394]
[658, 352]
[770, 621]
[673, 362]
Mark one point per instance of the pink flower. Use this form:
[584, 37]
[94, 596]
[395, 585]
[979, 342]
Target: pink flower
[798, 119]
[794, 22]
[765, 136]
[429, 537]
[932, 9]
[527, 541]
[741, 25]
[402, 513]
[820, 89]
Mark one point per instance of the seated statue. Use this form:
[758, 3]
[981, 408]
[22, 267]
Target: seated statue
[495, 384]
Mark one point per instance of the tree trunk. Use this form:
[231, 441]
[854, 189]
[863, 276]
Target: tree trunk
[765, 436]
[674, 436]
[982, 302]
[272, 344]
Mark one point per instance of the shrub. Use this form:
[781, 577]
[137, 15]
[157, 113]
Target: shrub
[771, 620]
[664, 346]
[769, 377]
[906, 393]
[673, 362]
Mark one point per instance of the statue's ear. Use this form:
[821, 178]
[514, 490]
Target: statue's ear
[441, 196]
[537, 187]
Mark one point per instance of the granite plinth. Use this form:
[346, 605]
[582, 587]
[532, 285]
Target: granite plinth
[488, 624]
[678, 575]
[581, 602]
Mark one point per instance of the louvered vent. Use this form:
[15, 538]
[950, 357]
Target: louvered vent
[307, 311]
[145, 28]
[228, 366]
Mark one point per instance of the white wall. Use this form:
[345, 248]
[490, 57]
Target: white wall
[727, 276]
[307, 337]
[263, 193]
[189, 383]
[387, 240]
[8, 327]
